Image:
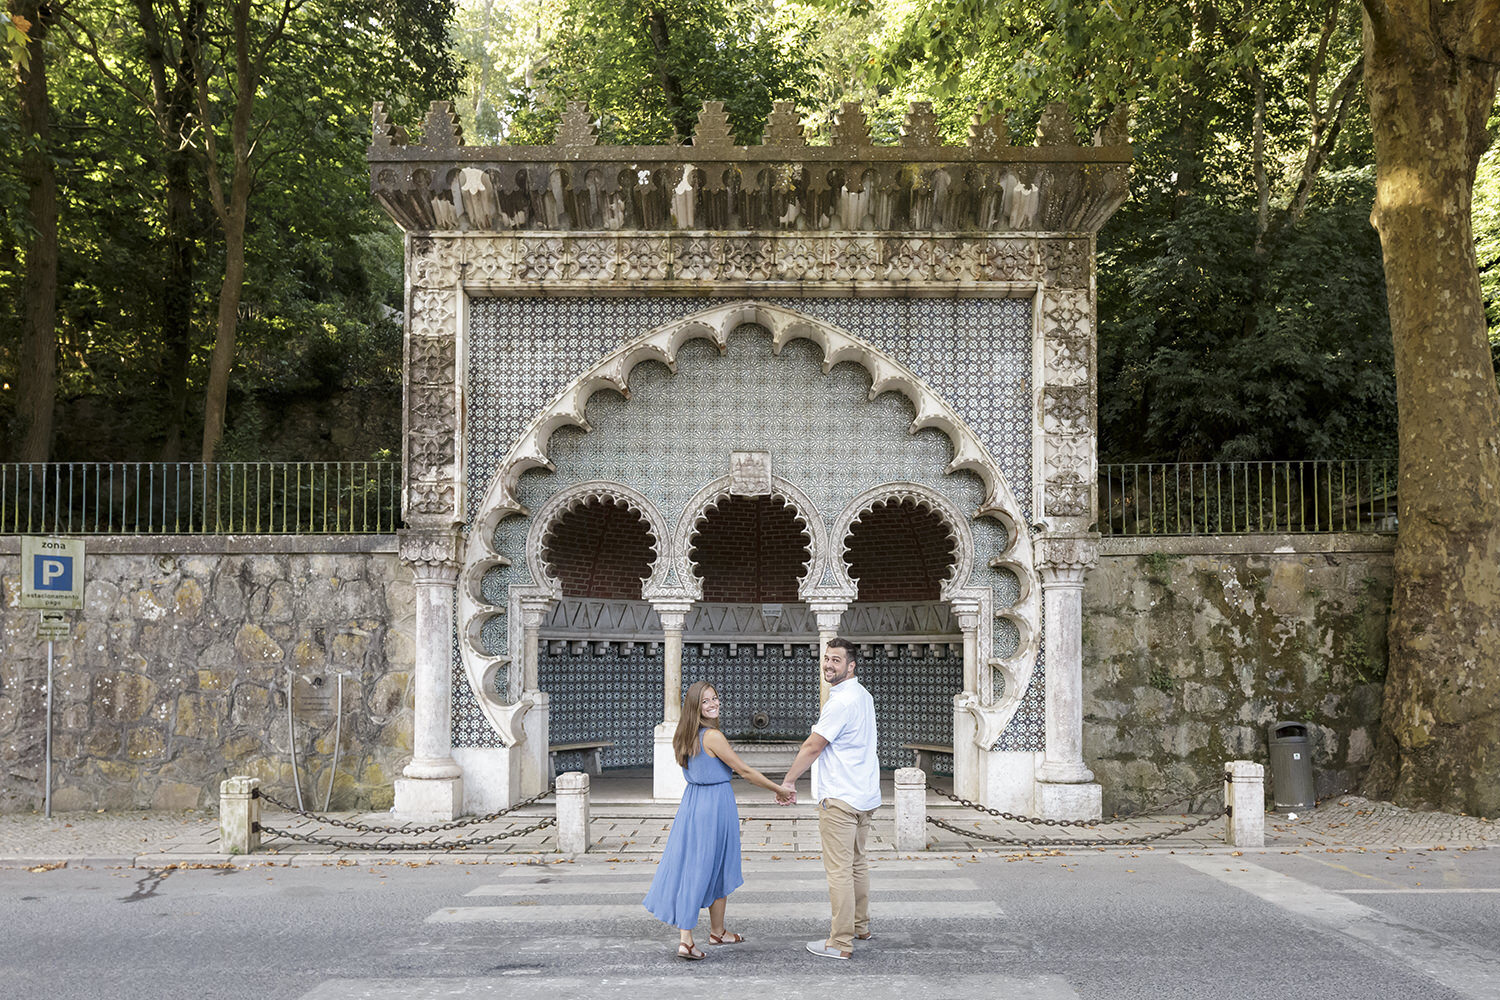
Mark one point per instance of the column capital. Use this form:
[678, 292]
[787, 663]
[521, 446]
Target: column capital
[673, 613]
[534, 611]
[966, 610]
[432, 553]
[828, 611]
[1061, 560]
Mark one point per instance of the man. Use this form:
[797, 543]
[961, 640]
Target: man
[846, 786]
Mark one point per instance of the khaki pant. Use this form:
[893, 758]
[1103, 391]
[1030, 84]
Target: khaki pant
[843, 830]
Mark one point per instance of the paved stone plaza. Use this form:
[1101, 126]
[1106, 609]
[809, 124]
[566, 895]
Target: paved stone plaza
[638, 831]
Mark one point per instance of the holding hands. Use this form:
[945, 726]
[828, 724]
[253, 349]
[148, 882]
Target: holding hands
[786, 795]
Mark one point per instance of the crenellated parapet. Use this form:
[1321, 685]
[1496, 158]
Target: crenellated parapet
[920, 184]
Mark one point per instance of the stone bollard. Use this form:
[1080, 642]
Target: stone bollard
[1245, 797]
[573, 812]
[911, 809]
[239, 815]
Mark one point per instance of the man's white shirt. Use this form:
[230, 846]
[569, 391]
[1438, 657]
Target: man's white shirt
[848, 768]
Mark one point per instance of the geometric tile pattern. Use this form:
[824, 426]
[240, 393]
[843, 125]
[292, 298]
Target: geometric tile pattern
[976, 353]
[824, 434]
[617, 696]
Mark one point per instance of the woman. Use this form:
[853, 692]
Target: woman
[701, 865]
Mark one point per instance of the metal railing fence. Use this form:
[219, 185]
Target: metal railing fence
[1227, 498]
[1145, 498]
[198, 498]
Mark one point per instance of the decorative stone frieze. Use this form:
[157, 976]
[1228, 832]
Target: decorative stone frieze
[909, 264]
[919, 184]
[432, 432]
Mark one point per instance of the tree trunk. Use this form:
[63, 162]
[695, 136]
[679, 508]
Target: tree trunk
[671, 86]
[1430, 95]
[36, 391]
[221, 361]
[233, 208]
[173, 106]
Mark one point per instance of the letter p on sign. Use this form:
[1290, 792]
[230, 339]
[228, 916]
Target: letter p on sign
[51, 572]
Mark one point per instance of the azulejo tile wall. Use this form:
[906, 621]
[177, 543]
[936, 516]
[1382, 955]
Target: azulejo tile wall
[674, 434]
[976, 353]
[617, 696]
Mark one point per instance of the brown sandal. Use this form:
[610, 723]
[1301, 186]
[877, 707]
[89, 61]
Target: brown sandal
[690, 952]
[728, 937]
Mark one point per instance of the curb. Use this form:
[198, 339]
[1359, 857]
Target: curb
[330, 859]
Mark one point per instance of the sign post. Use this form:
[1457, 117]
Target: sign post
[52, 580]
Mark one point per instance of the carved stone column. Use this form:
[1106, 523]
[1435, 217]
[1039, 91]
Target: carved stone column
[667, 781]
[966, 750]
[829, 613]
[536, 766]
[1065, 788]
[432, 786]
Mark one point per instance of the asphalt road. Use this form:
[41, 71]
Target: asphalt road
[1114, 925]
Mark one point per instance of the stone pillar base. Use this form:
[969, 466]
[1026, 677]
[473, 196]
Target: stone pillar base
[911, 809]
[429, 800]
[1245, 795]
[536, 760]
[573, 812]
[667, 782]
[967, 782]
[1085, 801]
[239, 815]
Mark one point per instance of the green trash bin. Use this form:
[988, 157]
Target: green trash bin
[1291, 767]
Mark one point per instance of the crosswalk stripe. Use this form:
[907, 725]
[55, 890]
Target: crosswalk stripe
[946, 909]
[1412, 892]
[801, 866]
[802, 985]
[600, 887]
[1465, 969]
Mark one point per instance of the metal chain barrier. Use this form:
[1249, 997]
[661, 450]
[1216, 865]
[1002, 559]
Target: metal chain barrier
[456, 845]
[1078, 841]
[1086, 823]
[1090, 823]
[435, 828]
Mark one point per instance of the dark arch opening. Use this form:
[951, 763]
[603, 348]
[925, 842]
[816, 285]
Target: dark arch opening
[750, 550]
[600, 548]
[900, 551]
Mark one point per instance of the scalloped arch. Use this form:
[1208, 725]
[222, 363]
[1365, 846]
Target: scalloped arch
[924, 497]
[557, 506]
[568, 408]
[696, 508]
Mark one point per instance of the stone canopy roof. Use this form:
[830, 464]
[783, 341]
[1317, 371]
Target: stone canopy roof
[853, 185]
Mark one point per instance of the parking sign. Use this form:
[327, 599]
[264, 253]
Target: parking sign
[51, 572]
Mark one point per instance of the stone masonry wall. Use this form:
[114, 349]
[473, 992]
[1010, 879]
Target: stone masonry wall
[1192, 647]
[177, 673]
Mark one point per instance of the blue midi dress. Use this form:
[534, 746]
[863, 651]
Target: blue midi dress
[702, 859]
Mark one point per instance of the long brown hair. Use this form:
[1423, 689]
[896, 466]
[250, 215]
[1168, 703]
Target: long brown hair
[685, 740]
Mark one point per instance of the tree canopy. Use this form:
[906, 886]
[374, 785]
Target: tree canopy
[144, 99]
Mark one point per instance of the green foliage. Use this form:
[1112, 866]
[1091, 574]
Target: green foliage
[646, 66]
[1161, 679]
[323, 296]
[1159, 564]
[1487, 240]
[15, 42]
[1212, 350]
[1241, 291]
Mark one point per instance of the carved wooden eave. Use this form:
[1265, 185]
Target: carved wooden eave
[920, 185]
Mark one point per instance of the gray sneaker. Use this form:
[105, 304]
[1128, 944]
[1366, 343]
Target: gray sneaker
[821, 949]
